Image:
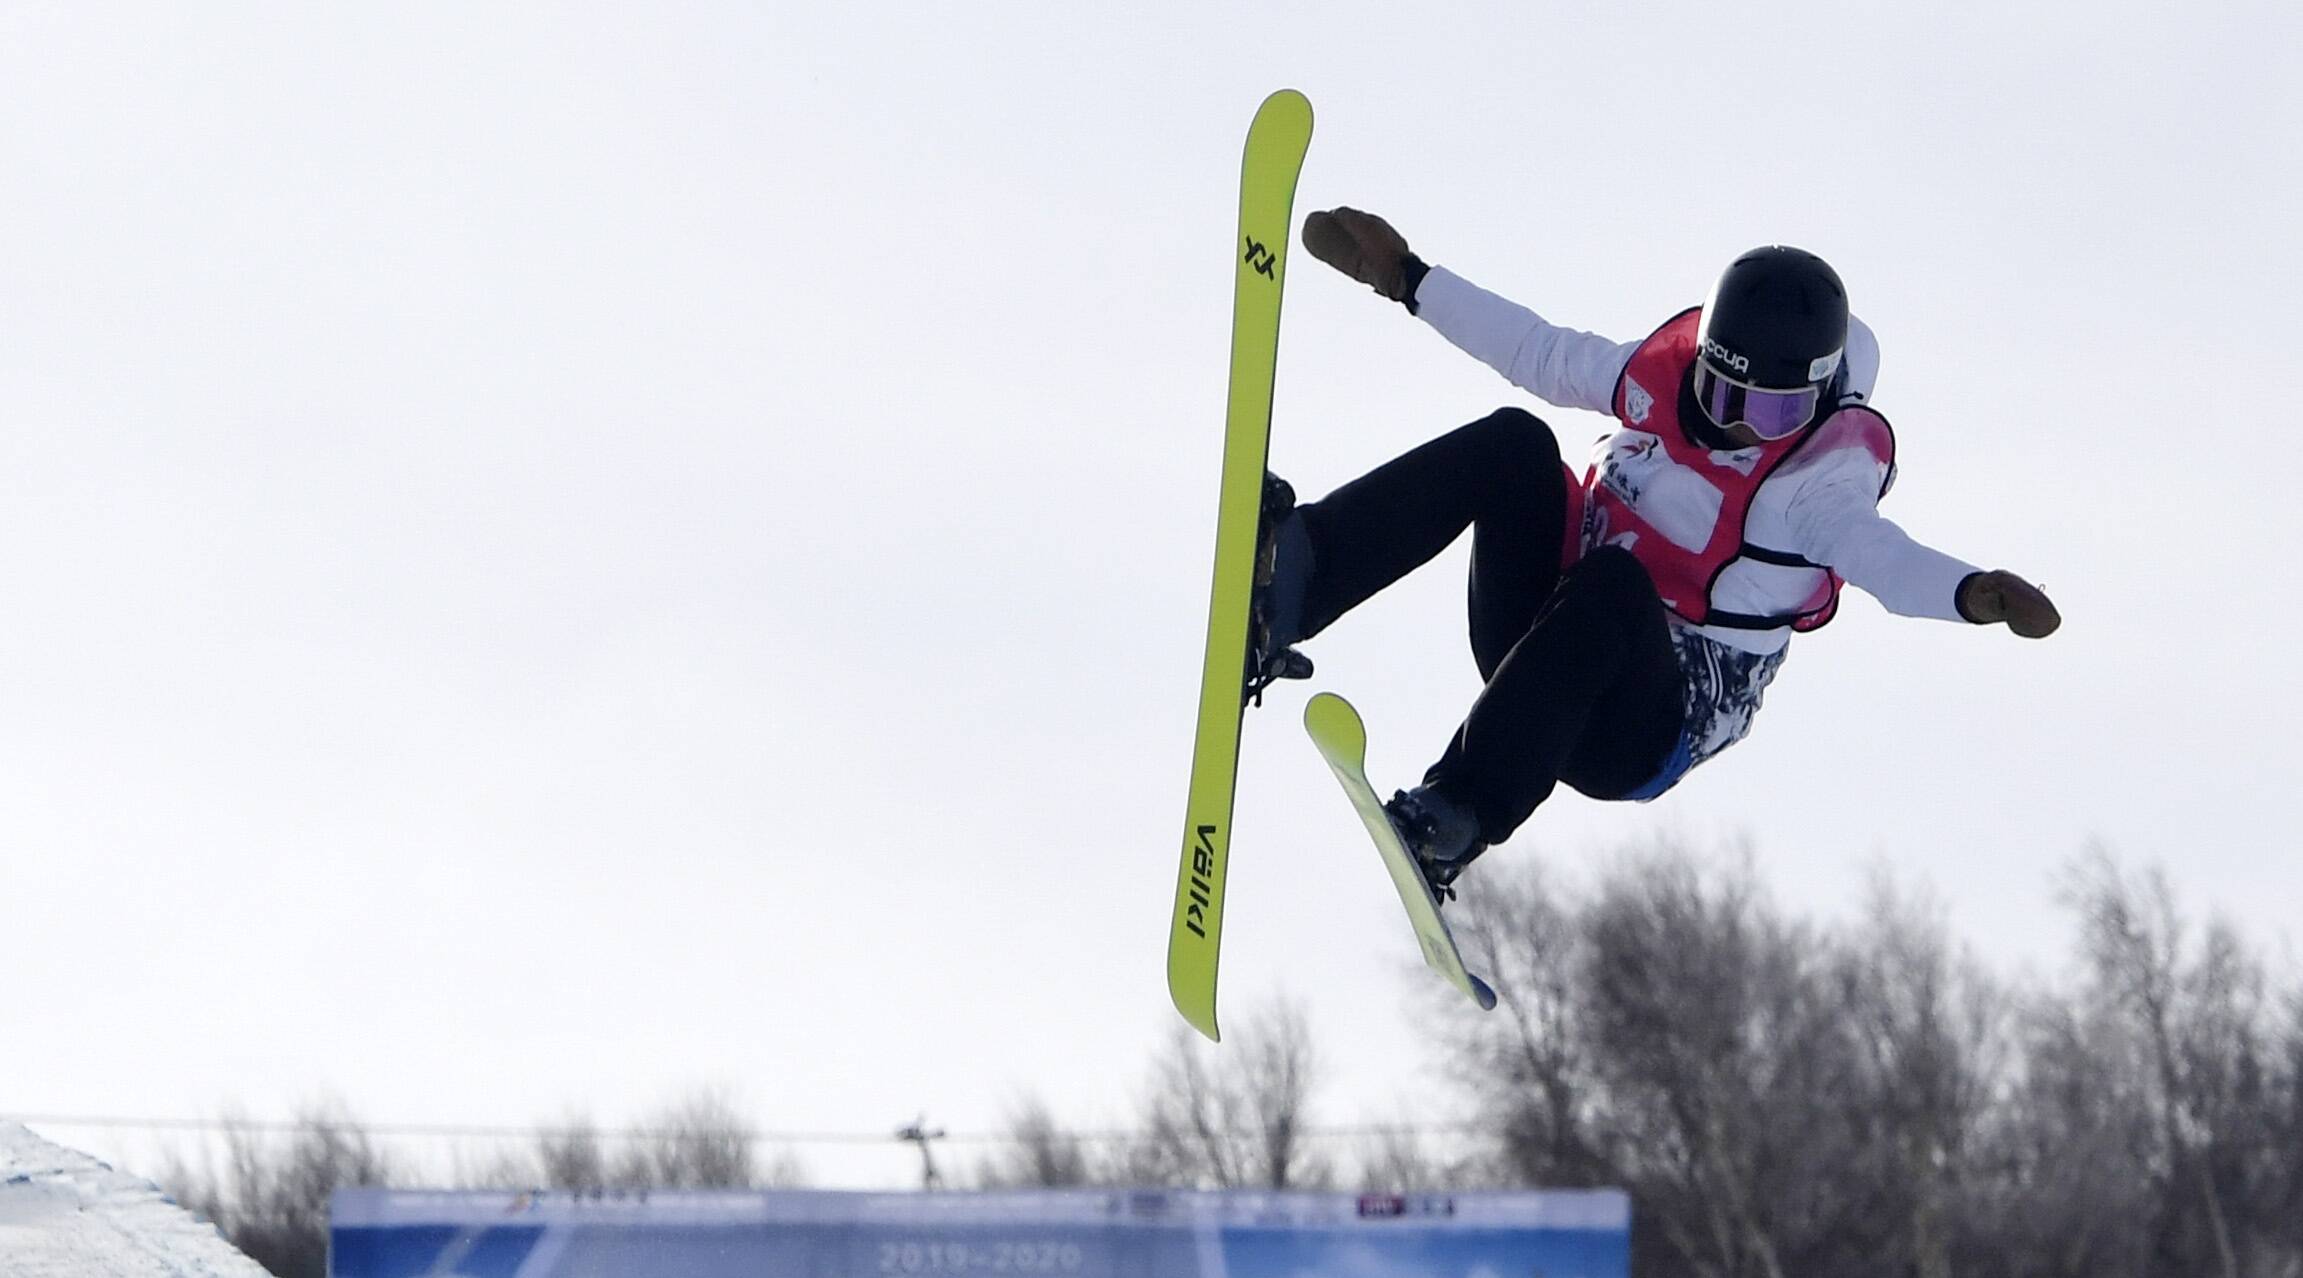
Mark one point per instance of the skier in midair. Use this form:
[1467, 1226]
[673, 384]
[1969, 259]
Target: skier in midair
[1628, 624]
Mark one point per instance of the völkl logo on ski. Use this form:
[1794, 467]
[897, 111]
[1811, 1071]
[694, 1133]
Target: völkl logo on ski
[1202, 866]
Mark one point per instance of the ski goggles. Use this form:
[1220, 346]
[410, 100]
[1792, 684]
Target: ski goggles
[1771, 414]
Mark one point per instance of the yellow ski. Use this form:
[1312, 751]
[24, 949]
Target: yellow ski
[1342, 740]
[1276, 142]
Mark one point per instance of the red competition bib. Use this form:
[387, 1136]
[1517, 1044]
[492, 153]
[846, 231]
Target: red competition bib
[1680, 508]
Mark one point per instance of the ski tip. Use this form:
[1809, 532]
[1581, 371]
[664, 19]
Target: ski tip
[1193, 993]
[1330, 717]
[1203, 1021]
[1482, 993]
[1289, 101]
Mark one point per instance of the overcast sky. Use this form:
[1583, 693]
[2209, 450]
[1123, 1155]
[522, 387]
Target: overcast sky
[550, 554]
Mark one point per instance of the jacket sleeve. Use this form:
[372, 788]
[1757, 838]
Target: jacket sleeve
[1834, 520]
[1561, 366]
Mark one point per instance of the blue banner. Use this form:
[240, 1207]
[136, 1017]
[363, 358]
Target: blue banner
[1006, 1234]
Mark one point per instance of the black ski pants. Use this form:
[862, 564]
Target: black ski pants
[1583, 685]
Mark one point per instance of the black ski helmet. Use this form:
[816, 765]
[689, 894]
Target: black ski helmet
[1777, 319]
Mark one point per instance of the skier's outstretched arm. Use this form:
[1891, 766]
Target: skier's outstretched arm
[1561, 366]
[1839, 524]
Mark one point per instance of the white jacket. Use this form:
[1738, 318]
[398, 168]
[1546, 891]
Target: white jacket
[1827, 513]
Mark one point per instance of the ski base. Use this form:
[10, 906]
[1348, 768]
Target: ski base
[1276, 143]
[1335, 727]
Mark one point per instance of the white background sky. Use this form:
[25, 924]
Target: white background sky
[550, 554]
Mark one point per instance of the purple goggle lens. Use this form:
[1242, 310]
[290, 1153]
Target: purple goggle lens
[1771, 414]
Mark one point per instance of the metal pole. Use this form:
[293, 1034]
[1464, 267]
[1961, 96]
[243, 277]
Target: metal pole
[917, 1133]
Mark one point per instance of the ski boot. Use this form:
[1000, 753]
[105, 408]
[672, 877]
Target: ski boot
[1275, 610]
[1441, 834]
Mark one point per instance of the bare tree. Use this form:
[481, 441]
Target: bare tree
[491, 1164]
[1401, 1159]
[2282, 1129]
[1530, 1063]
[1234, 1116]
[1777, 1098]
[698, 1141]
[1699, 1002]
[1037, 1153]
[2072, 1149]
[570, 1156]
[1930, 1031]
[271, 1196]
[2189, 1020]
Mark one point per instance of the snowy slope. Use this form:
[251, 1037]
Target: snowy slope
[66, 1215]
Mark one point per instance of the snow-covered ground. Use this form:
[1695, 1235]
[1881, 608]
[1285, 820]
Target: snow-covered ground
[66, 1215]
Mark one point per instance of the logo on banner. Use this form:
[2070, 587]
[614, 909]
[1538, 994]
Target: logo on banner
[1401, 1206]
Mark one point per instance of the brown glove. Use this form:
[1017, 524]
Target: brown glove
[1362, 246]
[1986, 597]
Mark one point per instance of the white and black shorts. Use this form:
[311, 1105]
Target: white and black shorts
[1720, 695]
